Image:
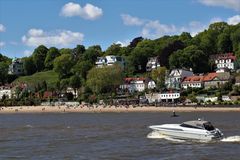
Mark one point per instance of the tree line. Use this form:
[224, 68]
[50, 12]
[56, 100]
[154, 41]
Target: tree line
[75, 66]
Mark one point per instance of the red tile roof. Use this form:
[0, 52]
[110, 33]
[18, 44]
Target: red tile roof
[209, 76]
[225, 56]
[193, 79]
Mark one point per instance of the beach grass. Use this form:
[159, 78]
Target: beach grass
[50, 77]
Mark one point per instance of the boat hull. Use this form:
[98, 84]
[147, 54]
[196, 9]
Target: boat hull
[182, 133]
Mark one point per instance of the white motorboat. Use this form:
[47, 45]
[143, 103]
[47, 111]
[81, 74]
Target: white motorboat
[196, 130]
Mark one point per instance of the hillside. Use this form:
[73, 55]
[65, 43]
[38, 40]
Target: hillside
[50, 77]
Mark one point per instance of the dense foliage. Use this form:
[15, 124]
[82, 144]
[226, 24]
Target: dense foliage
[75, 67]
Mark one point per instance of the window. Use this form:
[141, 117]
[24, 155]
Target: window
[208, 126]
[189, 126]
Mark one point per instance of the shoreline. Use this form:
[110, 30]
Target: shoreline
[111, 109]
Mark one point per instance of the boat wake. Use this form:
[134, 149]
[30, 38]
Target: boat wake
[231, 139]
[157, 135]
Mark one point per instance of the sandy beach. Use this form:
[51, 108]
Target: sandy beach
[101, 109]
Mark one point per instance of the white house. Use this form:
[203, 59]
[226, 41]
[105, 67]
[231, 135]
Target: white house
[169, 97]
[193, 82]
[163, 97]
[110, 60]
[71, 90]
[153, 63]
[206, 98]
[5, 90]
[226, 98]
[225, 61]
[134, 84]
[151, 84]
[16, 67]
[174, 78]
[101, 61]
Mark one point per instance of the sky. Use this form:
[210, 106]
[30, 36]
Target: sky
[26, 24]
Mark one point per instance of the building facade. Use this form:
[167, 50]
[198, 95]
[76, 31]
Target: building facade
[225, 61]
[192, 82]
[174, 78]
[169, 97]
[134, 84]
[162, 97]
[16, 67]
[153, 63]
[5, 90]
[110, 60]
[215, 80]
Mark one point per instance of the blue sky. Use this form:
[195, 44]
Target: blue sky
[25, 24]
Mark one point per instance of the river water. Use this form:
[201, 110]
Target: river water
[113, 136]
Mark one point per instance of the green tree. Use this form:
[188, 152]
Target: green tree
[51, 55]
[64, 83]
[219, 27]
[139, 55]
[224, 43]
[78, 52]
[186, 38]
[3, 72]
[4, 59]
[44, 86]
[104, 80]
[81, 68]
[208, 42]
[39, 56]
[166, 46]
[135, 41]
[114, 49]
[75, 82]
[65, 51]
[190, 58]
[63, 65]
[29, 66]
[179, 59]
[92, 53]
[235, 37]
[158, 75]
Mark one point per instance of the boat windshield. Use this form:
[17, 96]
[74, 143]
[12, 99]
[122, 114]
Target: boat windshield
[190, 126]
[208, 126]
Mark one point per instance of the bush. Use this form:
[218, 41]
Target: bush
[92, 99]
[236, 102]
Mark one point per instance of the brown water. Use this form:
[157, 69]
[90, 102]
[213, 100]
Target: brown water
[110, 136]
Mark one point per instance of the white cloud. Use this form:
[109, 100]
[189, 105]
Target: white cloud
[154, 29]
[131, 21]
[216, 19]
[2, 28]
[232, 4]
[151, 29]
[27, 53]
[123, 43]
[193, 28]
[35, 32]
[234, 20]
[89, 11]
[58, 38]
[2, 44]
